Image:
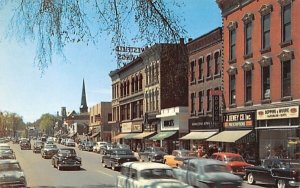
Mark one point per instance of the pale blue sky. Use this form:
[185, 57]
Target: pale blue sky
[24, 91]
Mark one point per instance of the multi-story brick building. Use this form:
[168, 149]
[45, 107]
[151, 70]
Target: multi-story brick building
[205, 75]
[261, 73]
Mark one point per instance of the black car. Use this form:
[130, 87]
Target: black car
[281, 172]
[66, 158]
[88, 146]
[107, 146]
[25, 144]
[152, 154]
[11, 174]
[37, 146]
[116, 157]
[7, 154]
[48, 150]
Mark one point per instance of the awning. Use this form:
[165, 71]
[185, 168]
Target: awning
[199, 135]
[143, 135]
[120, 136]
[229, 136]
[130, 136]
[162, 135]
[95, 134]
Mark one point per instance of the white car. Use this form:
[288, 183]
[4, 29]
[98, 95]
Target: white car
[96, 148]
[148, 174]
[70, 142]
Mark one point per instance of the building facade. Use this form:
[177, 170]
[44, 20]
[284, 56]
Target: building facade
[261, 73]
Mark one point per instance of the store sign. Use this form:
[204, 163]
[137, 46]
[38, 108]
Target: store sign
[202, 123]
[278, 113]
[126, 127]
[216, 108]
[137, 127]
[245, 119]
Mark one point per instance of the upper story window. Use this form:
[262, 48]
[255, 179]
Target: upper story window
[136, 84]
[248, 24]
[200, 64]
[209, 101]
[132, 84]
[248, 85]
[286, 23]
[140, 82]
[265, 12]
[192, 102]
[208, 61]
[200, 101]
[157, 71]
[146, 73]
[265, 63]
[286, 57]
[232, 40]
[217, 63]
[232, 89]
[192, 71]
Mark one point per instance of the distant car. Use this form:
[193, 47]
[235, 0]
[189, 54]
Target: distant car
[97, 146]
[152, 154]
[63, 141]
[4, 146]
[178, 156]
[48, 151]
[117, 157]
[66, 158]
[70, 142]
[107, 146]
[25, 144]
[88, 146]
[7, 154]
[206, 173]
[11, 174]
[37, 146]
[235, 161]
[152, 175]
[281, 172]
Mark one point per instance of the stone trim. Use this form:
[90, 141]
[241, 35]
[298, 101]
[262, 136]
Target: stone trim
[247, 66]
[284, 2]
[265, 61]
[286, 55]
[232, 25]
[266, 9]
[248, 17]
[232, 70]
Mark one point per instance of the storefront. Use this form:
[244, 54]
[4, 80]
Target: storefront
[279, 132]
[238, 134]
[136, 129]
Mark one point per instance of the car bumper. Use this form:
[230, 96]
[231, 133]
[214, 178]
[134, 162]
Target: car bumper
[294, 184]
[69, 165]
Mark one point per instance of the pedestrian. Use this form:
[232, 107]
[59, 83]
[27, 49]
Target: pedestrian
[200, 152]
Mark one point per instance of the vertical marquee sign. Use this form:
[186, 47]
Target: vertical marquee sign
[216, 105]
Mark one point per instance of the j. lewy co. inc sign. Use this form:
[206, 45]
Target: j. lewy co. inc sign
[245, 119]
[278, 113]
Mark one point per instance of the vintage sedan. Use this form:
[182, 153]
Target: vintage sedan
[37, 146]
[206, 173]
[147, 174]
[281, 172]
[25, 144]
[70, 142]
[11, 174]
[66, 158]
[235, 161]
[152, 154]
[117, 157]
[7, 154]
[48, 150]
[178, 156]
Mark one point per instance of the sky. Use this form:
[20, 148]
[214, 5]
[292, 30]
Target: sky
[29, 93]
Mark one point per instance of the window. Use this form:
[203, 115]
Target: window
[156, 67]
[146, 72]
[232, 38]
[156, 98]
[248, 39]
[286, 78]
[266, 82]
[192, 102]
[208, 100]
[248, 86]
[266, 31]
[141, 108]
[217, 63]
[200, 64]
[286, 23]
[132, 85]
[208, 61]
[200, 101]
[141, 82]
[192, 71]
[232, 86]
[136, 84]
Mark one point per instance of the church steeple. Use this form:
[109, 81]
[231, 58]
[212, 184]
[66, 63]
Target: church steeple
[83, 106]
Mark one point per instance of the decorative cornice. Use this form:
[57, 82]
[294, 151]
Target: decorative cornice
[232, 70]
[284, 2]
[247, 66]
[265, 61]
[232, 25]
[248, 17]
[266, 9]
[286, 55]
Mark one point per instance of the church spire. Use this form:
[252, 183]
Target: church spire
[83, 106]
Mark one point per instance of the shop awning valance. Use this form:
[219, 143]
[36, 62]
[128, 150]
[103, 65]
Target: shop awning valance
[163, 135]
[130, 136]
[119, 136]
[198, 135]
[229, 136]
[143, 135]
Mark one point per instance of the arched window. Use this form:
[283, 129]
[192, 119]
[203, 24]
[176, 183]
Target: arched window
[132, 85]
[217, 63]
[141, 82]
[136, 84]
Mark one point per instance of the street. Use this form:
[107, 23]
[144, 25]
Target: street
[40, 173]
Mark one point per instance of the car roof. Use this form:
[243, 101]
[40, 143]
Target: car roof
[145, 165]
[8, 161]
[204, 161]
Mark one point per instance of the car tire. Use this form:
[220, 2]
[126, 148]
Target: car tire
[281, 184]
[250, 179]
[59, 168]
[113, 167]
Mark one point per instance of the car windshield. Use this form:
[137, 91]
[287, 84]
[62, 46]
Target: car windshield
[123, 152]
[157, 174]
[10, 167]
[234, 158]
[39, 143]
[215, 168]
[67, 151]
[50, 146]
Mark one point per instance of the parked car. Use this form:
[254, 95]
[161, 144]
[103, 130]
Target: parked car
[88, 146]
[97, 146]
[63, 141]
[66, 158]
[70, 142]
[25, 144]
[81, 144]
[48, 150]
[107, 146]
[206, 173]
[178, 156]
[4, 146]
[152, 154]
[117, 157]
[140, 175]
[281, 172]
[235, 161]
[37, 146]
[11, 174]
[7, 154]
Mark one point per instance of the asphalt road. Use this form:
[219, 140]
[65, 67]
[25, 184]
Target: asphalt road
[40, 173]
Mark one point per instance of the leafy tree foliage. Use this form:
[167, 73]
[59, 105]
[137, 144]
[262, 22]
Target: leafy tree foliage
[10, 123]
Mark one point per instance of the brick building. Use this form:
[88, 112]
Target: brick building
[261, 73]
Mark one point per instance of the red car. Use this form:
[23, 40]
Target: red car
[233, 160]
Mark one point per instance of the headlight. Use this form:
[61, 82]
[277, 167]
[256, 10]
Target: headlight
[78, 158]
[23, 180]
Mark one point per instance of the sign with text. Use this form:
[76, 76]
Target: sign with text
[245, 119]
[126, 127]
[278, 113]
[202, 123]
[216, 108]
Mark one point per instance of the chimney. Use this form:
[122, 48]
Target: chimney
[190, 39]
[182, 41]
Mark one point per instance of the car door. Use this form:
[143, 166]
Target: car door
[263, 172]
[192, 173]
[133, 179]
